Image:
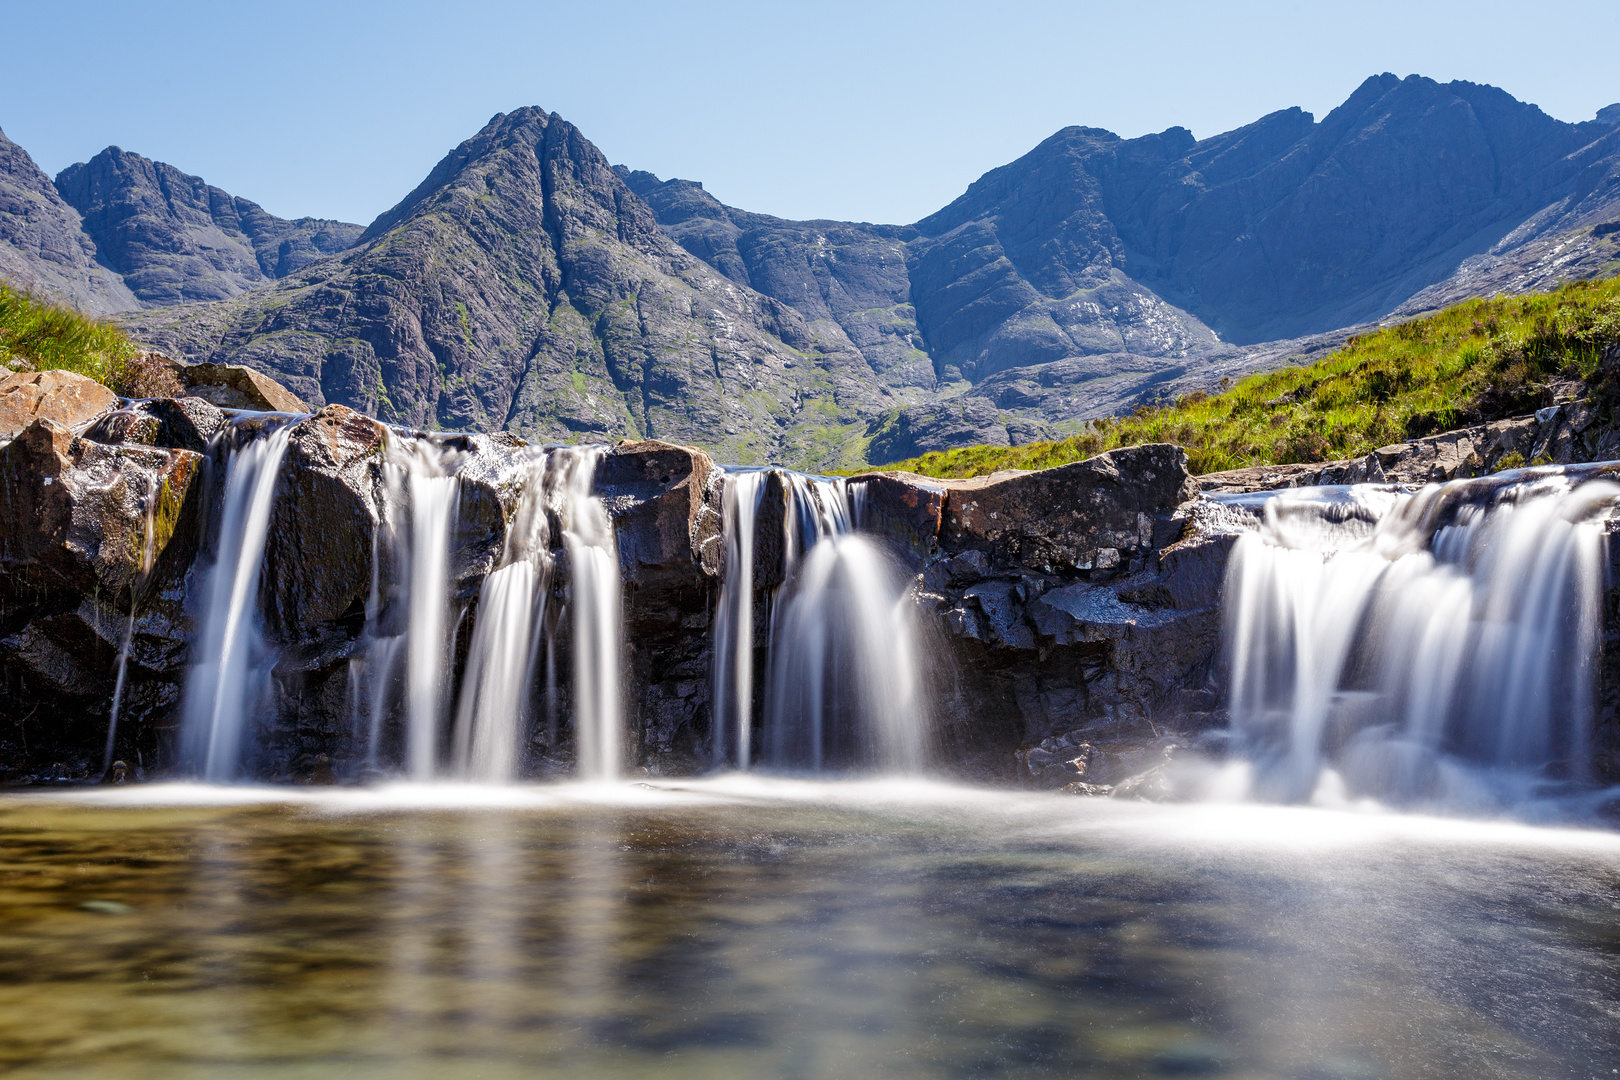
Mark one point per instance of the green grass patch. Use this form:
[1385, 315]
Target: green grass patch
[1480, 360]
[47, 336]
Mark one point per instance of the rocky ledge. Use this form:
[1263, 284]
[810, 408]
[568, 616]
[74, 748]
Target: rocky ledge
[1074, 613]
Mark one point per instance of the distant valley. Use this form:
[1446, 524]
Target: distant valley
[529, 285]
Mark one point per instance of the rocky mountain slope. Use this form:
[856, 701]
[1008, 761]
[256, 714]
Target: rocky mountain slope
[1096, 269]
[523, 286]
[176, 239]
[43, 245]
[527, 285]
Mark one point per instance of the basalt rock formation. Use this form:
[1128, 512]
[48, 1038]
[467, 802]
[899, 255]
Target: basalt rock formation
[1073, 615]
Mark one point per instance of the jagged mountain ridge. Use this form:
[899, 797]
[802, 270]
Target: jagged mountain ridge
[43, 245]
[1094, 272]
[523, 286]
[176, 239]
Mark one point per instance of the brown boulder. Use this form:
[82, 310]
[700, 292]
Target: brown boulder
[656, 493]
[231, 386]
[63, 397]
[79, 516]
[318, 554]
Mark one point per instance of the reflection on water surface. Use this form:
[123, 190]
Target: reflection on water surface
[747, 928]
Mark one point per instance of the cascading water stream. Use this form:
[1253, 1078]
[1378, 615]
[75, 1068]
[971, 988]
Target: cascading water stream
[409, 621]
[1434, 647]
[408, 613]
[842, 682]
[733, 674]
[490, 719]
[594, 599]
[228, 676]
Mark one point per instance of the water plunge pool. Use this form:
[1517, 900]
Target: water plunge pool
[748, 926]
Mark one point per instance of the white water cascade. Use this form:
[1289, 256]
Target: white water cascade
[230, 672]
[732, 678]
[1427, 648]
[408, 666]
[594, 599]
[409, 618]
[842, 678]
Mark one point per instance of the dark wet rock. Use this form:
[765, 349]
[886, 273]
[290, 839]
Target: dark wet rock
[232, 386]
[184, 423]
[663, 500]
[1094, 516]
[172, 423]
[63, 397]
[1083, 601]
[903, 508]
[656, 493]
[319, 550]
[69, 587]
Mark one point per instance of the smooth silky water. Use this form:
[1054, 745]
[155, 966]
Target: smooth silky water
[746, 927]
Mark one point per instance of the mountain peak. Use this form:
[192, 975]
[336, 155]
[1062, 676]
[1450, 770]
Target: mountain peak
[43, 246]
[177, 239]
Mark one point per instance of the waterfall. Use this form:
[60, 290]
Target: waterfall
[230, 671]
[1427, 647]
[408, 613]
[491, 716]
[842, 682]
[732, 676]
[409, 656]
[594, 600]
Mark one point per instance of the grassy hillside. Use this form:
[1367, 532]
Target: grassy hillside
[1480, 360]
[45, 336]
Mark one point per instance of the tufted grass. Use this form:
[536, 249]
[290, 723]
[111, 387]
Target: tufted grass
[1479, 360]
[47, 336]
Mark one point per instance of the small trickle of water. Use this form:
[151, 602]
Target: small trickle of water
[842, 680]
[1433, 647]
[229, 673]
[126, 644]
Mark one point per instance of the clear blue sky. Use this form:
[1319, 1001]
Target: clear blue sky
[863, 110]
